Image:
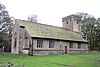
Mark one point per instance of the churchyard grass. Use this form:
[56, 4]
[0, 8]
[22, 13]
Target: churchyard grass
[91, 59]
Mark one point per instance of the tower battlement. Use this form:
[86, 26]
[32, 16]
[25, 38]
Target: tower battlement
[72, 22]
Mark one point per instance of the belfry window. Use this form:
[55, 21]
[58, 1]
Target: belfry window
[77, 22]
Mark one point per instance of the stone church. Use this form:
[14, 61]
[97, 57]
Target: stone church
[41, 39]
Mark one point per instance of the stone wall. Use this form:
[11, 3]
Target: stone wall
[75, 49]
[15, 37]
[23, 39]
[45, 50]
[59, 48]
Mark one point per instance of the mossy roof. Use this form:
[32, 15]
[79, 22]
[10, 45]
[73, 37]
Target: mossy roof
[48, 31]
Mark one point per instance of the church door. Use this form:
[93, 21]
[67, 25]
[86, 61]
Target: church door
[65, 49]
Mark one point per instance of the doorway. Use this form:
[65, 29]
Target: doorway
[65, 49]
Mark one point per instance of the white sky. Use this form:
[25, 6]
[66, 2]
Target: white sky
[50, 11]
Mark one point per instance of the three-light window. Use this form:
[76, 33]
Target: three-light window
[51, 44]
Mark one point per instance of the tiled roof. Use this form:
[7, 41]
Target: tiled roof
[48, 31]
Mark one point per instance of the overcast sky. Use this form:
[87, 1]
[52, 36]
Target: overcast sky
[51, 11]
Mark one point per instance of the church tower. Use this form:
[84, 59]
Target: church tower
[72, 22]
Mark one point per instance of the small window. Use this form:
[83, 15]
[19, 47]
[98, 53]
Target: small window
[71, 45]
[51, 44]
[26, 42]
[67, 22]
[39, 43]
[22, 26]
[79, 45]
[15, 42]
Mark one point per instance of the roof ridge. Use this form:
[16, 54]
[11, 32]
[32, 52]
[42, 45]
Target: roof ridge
[44, 24]
[47, 25]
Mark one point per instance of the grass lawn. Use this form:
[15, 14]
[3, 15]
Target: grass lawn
[91, 59]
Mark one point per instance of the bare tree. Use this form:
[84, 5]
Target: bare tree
[5, 26]
[33, 18]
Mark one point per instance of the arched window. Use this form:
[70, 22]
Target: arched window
[15, 43]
